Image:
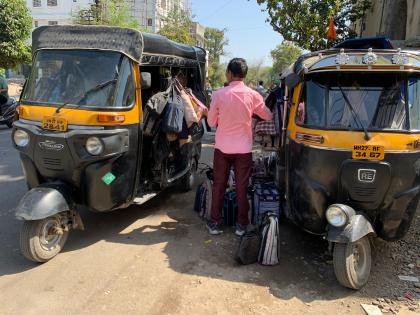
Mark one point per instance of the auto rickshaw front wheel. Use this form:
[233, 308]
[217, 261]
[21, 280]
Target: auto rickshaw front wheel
[352, 263]
[42, 240]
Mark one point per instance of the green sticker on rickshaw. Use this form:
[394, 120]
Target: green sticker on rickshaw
[108, 178]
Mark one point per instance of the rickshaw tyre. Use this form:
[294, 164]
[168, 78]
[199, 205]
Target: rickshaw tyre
[186, 183]
[30, 245]
[343, 261]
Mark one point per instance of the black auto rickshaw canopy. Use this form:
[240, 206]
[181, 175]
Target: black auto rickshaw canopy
[144, 48]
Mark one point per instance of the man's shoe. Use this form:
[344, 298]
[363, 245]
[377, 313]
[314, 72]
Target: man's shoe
[214, 229]
[240, 229]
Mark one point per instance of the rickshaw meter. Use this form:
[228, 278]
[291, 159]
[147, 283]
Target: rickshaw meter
[94, 146]
[338, 215]
[21, 138]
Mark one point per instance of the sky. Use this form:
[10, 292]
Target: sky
[250, 36]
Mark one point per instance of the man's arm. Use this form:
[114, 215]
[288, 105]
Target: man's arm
[260, 109]
[213, 115]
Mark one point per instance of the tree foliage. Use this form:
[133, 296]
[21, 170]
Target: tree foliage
[284, 55]
[215, 43]
[15, 28]
[258, 72]
[109, 12]
[177, 26]
[305, 22]
[216, 74]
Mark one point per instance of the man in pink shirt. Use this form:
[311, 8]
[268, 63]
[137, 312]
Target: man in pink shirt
[231, 111]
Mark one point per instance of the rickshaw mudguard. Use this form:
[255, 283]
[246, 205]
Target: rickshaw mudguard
[357, 228]
[40, 203]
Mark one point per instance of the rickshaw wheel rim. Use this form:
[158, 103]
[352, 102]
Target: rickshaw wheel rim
[49, 239]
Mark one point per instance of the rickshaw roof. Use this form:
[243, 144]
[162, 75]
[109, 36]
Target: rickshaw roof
[142, 47]
[341, 59]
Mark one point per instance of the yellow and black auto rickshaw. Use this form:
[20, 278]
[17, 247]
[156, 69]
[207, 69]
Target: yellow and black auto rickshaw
[80, 133]
[350, 159]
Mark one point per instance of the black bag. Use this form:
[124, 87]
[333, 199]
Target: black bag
[160, 147]
[173, 116]
[152, 112]
[249, 247]
[265, 199]
[230, 208]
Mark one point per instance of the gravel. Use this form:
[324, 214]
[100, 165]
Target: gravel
[391, 260]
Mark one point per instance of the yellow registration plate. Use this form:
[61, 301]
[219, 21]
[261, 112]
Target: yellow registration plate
[54, 123]
[368, 152]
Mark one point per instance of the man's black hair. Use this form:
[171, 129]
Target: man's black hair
[261, 82]
[238, 67]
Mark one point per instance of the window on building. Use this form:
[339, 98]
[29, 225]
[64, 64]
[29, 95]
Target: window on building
[149, 22]
[52, 23]
[36, 3]
[35, 23]
[52, 3]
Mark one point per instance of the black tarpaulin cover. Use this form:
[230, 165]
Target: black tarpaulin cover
[130, 42]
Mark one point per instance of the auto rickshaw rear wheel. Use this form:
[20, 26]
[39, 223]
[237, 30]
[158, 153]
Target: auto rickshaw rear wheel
[352, 263]
[186, 183]
[42, 240]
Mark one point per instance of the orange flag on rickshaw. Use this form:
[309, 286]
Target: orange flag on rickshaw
[331, 34]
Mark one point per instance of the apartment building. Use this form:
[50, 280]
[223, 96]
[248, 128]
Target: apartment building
[55, 12]
[397, 19]
[197, 32]
[151, 13]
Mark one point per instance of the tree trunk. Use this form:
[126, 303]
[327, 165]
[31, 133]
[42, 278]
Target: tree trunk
[395, 19]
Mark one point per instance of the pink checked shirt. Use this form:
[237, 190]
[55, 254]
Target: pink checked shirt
[231, 110]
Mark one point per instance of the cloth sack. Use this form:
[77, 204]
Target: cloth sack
[266, 127]
[189, 110]
[153, 111]
[269, 252]
[173, 115]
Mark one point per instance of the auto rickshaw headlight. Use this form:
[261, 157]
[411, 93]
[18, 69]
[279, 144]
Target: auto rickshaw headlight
[94, 146]
[337, 216]
[21, 138]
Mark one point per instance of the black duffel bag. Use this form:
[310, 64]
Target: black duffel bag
[174, 113]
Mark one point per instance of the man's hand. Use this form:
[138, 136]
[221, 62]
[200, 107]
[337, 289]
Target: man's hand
[205, 111]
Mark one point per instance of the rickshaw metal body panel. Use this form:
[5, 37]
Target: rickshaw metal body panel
[318, 164]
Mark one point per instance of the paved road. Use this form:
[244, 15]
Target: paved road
[158, 259]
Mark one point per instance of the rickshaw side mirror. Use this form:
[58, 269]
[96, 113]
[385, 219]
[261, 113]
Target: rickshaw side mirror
[145, 80]
[292, 80]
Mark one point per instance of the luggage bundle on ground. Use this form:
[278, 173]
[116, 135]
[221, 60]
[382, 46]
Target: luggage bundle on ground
[260, 243]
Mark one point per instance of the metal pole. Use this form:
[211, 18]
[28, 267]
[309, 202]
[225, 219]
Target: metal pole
[285, 106]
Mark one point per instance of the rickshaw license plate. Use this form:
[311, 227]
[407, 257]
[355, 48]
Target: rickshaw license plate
[368, 152]
[54, 123]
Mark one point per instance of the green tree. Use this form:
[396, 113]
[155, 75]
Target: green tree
[216, 74]
[305, 22]
[283, 56]
[215, 43]
[177, 26]
[109, 12]
[15, 28]
[258, 72]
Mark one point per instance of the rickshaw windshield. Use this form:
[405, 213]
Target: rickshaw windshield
[82, 78]
[358, 101]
